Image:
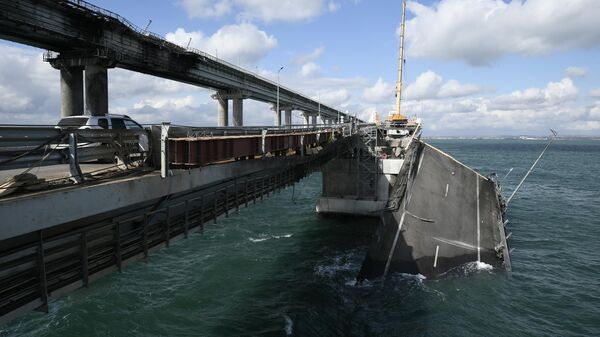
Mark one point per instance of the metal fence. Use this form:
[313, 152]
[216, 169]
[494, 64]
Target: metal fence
[33, 146]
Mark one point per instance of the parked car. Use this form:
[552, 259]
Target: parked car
[109, 122]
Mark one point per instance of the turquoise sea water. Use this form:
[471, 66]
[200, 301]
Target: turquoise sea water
[278, 269]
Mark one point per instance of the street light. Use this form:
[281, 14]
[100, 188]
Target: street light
[319, 99]
[277, 113]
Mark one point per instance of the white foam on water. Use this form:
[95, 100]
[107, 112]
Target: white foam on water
[258, 240]
[336, 265]
[416, 277]
[483, 266]
[289, 325]
[265, 238]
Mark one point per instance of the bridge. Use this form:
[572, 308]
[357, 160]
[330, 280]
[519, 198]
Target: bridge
[84, 40]
[77, 204]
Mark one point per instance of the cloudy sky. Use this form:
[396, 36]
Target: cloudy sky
[473, 67]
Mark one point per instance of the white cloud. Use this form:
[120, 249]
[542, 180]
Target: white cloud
[430, 85]
[585, 126]
[310, 57]
[531, 110]
[277, 10]
[334, 6]
[380, 92]
[29, 88]
[161, 103]
[206, 8]
[310, 70]
[265, 10]
[427, 85]
[454, 89]
[575, 72]
[555, 93]
[335, 98]
[481, 31]
[242, 44]
[595, 93]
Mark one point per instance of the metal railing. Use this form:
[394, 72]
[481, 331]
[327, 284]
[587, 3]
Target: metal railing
[34, 146]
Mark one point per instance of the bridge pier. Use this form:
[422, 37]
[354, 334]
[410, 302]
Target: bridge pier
[314, 119]
[223, 108]
[238, 112]
[288, 117]
[306, 117]
[71, 91]
[277, 117]
[96, 90]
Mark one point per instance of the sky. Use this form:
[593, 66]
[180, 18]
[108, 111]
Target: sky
[472, 67]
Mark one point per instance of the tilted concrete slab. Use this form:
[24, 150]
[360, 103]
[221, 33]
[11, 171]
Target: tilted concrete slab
[452, 216]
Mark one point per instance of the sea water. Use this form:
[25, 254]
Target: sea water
[279, 269]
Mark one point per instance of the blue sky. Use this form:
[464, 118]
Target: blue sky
[473, 67]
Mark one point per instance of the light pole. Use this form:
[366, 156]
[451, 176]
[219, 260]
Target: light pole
[277, 115]
[319, 99]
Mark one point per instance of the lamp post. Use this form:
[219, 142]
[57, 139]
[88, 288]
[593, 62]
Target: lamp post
[278, 116]
[319, 99]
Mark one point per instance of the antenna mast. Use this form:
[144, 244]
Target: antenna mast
[400, 61]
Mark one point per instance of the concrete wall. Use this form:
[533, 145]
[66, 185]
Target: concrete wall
[24, 214]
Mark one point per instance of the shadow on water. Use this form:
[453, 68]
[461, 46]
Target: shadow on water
[311, 288]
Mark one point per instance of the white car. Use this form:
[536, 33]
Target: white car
[109, 122]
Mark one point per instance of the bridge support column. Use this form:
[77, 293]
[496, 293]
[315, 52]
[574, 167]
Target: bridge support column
[96, 90]
[314, 119]
[223, 110]
[238, 112]
[71, 91]
[288, 117]
[306, 116]
[277, 117]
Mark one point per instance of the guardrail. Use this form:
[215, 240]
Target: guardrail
[33, 146]
[27, 147]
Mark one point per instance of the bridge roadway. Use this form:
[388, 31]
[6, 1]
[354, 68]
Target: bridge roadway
[56, 240]
[91, 38]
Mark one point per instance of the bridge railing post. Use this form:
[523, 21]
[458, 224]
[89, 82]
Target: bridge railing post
[74, 168]
[164, 155]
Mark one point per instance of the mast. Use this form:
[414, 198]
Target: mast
[400, 61]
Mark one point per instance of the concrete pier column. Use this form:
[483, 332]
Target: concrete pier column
[96, 90]
[277, 117]
[223, 106]
[238, 112]
[306, 119]
[288, 117]
[314, 119]
[71, 91]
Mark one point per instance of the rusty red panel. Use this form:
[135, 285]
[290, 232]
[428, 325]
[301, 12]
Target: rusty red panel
[193, 158]
[243, 147]
[177, 151]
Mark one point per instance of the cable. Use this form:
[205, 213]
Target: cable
[6, 161]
